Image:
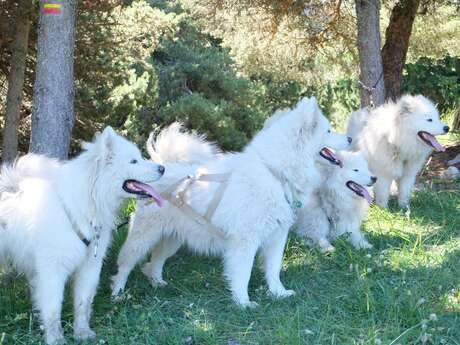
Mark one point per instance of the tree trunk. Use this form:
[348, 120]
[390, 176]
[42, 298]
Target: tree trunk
[456, 124]
[53, 108]
[16, 81]
[396, 44]
[370, 59]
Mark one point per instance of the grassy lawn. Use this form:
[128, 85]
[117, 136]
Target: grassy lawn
[405, 291]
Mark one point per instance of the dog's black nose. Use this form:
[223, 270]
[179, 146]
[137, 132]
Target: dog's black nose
[446, 129]
[374, 179]
[349, 140]
[161, 169]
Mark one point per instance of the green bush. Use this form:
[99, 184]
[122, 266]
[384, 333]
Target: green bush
[199, 86]
[437, 79]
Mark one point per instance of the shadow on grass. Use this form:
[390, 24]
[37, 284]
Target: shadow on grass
[348, 297]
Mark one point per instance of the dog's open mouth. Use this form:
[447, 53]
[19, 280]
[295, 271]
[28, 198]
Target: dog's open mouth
[142, 190]
[359, 190]
[330, 156]
[430, 140]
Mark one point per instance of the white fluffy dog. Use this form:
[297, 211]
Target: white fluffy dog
[273, 175]
[57, 217]
[340, 204]
[396, 139]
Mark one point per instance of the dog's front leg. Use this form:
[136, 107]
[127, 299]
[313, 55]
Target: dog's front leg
[382, 191]
[407, 181]
[272, 256]
[238, 262]
[167, 247]
[352, 228]
[314, 224]
[47, 287]
[85, 285]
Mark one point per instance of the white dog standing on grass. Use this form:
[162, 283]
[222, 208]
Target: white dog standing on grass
[340, 204]
[275, 173]
[56, 220]
[396, 140]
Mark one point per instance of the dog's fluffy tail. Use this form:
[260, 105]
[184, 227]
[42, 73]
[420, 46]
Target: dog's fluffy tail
[174, 145]
[356, 123]
[31, 165]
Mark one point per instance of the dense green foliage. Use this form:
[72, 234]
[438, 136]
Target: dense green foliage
[169, 70]
[438, 79]
[174, 67]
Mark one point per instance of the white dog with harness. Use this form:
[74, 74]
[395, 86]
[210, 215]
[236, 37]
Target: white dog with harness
[259, 191]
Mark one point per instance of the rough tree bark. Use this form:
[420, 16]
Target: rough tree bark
[456, 124]
[16, 81]
[370, 58]
[394, 51]
[53, 108]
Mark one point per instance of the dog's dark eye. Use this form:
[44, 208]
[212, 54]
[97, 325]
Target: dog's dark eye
[329, 131]
[133, 161]
[430, 120]
[355, 170]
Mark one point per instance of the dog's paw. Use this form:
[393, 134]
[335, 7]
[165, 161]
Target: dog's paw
[328, 249]
[84, 333]
[283, 293]
[54, 334]
[248, 305]
[157, 283]
[325, 246]
[117, 288]
[55, 339]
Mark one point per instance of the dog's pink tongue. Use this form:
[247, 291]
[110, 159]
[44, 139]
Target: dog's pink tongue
[150, 191]
[434, 142]
[366, 194]
[326, 151]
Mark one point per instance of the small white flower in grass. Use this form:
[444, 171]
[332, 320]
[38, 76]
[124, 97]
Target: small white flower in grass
[433, 317]
[369, 270]
[307, 331]
[191, 305]
[424, 323]
[420, 302]
[42, 328]
[425, 337]
[377, 341]
[368, 256]
[350, 268]
[188, 340]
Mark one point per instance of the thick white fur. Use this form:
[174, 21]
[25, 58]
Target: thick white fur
[38, 237]
[387, 136]
[335, 209]
[179, 147]
[255, 212]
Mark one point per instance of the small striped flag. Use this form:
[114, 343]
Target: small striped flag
[51, 8]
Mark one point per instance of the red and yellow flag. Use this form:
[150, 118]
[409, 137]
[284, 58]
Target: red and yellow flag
[52, 8]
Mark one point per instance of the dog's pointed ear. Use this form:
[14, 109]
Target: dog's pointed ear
[312, 113]
[407, 105]
[106, 142]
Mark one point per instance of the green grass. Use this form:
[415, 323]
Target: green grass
[349, 297]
